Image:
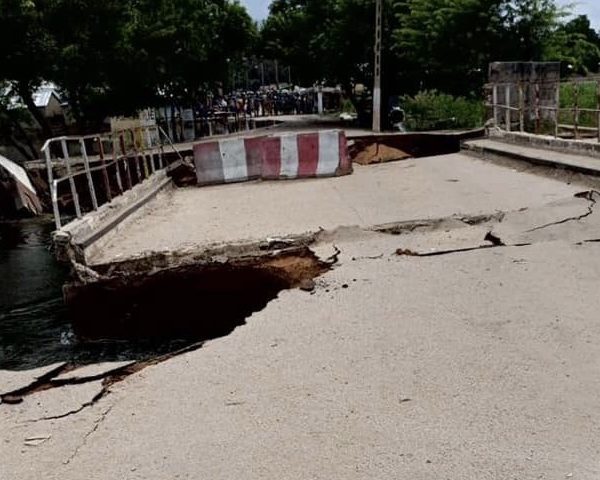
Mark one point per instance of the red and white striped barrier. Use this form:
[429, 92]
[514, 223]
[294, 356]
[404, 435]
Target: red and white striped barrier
[302, 155]
[229, 160]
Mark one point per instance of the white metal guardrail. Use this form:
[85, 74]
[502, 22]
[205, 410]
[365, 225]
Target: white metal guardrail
[110, 164]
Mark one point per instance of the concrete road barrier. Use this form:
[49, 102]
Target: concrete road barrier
[229, 160]
[305, 155]
[293, 155]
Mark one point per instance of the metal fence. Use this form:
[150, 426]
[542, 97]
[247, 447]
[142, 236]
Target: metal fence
[97, 168]
[543, 107]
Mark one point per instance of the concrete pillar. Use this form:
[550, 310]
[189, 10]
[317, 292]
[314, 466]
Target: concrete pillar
[320, 101]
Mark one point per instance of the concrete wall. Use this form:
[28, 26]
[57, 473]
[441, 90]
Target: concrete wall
[539, 81]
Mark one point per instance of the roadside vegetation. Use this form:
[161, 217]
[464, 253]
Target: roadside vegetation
[115, 57]
[584, 95]
[432, 110]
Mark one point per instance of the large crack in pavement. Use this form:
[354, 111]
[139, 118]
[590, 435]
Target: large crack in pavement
[494, 240]
[95, 427]
[589, 196]
[439, 253]
[108, 378]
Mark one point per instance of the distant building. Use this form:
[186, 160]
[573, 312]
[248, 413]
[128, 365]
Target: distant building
[47, 100]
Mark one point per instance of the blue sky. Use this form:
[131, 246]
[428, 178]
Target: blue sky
[259, 9]
[591, 8]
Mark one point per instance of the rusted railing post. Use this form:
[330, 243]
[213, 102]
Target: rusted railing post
[65, 152]
[88, 174]
[104, 172]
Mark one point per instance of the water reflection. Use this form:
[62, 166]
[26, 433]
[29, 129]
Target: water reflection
[34, 324]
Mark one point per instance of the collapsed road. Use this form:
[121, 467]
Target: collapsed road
[431, 318]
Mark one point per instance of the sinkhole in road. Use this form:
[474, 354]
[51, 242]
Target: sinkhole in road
[146, 319]
[195, 302]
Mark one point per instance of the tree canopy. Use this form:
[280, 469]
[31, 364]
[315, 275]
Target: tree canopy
[115, 56]
[428, 44]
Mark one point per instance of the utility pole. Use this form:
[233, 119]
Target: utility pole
[377, 65]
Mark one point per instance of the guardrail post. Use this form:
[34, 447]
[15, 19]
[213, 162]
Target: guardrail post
[557, 111]
[136, 156]
[104, 172]
[88, 174]
[598, 106]
[537, 108]
[67, 159]
[521, 109]
[508, 106]
[53, 188]
[125, 160]
[139, 151]
[150, 147]
[115, 156]
[576, 112]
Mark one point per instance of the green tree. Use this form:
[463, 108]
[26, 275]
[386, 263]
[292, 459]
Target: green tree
[577, 45]
[13, 119]
[27, 51]
[428, 44]
[117, 56]
[448, 44]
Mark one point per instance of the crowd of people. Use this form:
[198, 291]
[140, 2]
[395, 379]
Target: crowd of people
[218, 114]
[262, 103]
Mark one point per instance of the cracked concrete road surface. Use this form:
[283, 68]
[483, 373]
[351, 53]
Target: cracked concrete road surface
[478, 362]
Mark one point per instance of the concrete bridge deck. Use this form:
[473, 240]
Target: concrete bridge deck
[432, 187]
[477, 363]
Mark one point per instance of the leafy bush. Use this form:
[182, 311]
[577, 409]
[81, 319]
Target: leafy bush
[432, 110]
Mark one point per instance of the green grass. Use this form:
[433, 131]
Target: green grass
[587, 97]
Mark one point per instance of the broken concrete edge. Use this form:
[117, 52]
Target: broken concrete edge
[217, 253]
[71, 241]
[148, 263]
[251, 250]
[481, 152]
[590, 196]
[547, 142]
